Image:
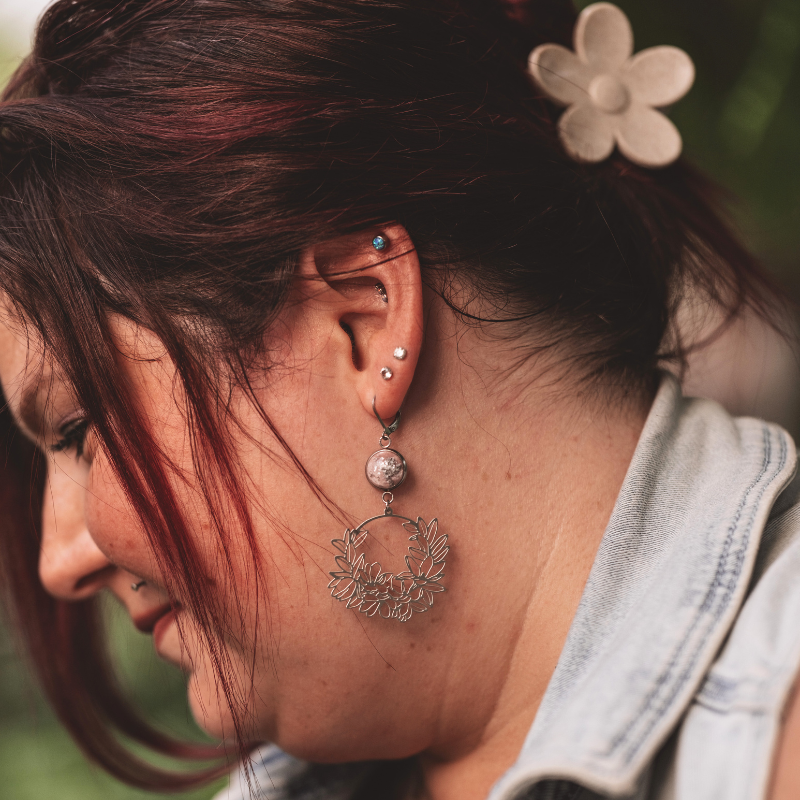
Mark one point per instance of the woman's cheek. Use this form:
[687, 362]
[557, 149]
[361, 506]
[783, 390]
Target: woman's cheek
[111, 521]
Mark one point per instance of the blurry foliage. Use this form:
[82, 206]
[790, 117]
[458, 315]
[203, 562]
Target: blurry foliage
[37, 758]
[741, 122]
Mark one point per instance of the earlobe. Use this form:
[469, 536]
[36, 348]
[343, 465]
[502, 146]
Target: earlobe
[378, 284]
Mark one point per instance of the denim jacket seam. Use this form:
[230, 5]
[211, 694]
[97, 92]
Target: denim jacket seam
[706, 611]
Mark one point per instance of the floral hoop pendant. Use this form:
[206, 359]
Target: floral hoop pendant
[364, 585]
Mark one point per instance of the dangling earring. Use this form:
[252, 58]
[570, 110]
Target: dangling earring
[364, 586]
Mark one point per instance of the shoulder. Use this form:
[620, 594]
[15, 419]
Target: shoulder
[745, 718]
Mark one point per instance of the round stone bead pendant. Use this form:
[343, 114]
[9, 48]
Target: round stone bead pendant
[386, 469]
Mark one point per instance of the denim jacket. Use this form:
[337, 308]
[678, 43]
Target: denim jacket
[686, 641]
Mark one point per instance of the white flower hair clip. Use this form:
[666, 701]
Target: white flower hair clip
[611, 94]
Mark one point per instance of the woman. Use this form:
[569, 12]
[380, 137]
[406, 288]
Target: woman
[247, 244]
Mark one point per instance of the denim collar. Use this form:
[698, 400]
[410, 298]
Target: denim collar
[664, 591]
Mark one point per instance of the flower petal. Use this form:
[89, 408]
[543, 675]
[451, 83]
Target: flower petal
[346, 591]
[603, 37]
[370, 608]
[646, 137]
[560, 74]
[659, 76]
[587, 133]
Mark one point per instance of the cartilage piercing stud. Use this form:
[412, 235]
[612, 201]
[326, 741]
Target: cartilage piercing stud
[381, 290]
[386, 373]
[379, 242]
[400, 353]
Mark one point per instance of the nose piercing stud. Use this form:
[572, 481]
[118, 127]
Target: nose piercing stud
[400, 353]
[379, 242]
[386, 373]
[136, 586]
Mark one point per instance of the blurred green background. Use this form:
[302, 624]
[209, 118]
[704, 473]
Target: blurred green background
[38, 760]
[741, 122]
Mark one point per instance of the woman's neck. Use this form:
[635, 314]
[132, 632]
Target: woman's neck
[533, 474]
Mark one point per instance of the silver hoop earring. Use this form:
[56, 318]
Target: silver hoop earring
[136, 586]
[364, 585]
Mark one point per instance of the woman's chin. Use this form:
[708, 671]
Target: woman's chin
[170, 647]
[209, 709]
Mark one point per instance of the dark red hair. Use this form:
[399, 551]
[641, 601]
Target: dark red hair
[167, 160]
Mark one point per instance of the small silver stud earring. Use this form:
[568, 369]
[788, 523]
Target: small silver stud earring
[400, 353]
[379, 242]
[136, 586]
[386, 373]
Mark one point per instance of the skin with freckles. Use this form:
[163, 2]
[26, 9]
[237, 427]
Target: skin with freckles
[522, 474]
[786, 772]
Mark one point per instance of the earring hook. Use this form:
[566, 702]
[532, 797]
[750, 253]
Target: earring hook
[388, 430]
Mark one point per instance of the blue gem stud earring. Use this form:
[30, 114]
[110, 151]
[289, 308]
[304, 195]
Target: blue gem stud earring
[379, 242]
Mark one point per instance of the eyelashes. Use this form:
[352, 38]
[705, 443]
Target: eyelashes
[73, 436]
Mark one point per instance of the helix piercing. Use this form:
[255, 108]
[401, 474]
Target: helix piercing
[379, 242]
[400, 353]
[136, 586]
[386, 373]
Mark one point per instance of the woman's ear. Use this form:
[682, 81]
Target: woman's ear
[372, 286]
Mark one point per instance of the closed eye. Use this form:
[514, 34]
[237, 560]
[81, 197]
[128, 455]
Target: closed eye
[73, 435]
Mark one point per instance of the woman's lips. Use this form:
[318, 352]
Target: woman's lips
[146, 622]
[156, 621]
[160, 628]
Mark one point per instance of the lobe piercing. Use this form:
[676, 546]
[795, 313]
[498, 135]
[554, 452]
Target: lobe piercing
[400, 353]
[386, 373]
[136, 586]
[379, 242]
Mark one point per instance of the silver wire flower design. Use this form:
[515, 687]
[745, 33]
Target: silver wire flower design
[367, 588]
[611, 94]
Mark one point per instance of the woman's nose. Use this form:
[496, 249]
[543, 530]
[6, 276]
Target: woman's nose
[71, 567]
